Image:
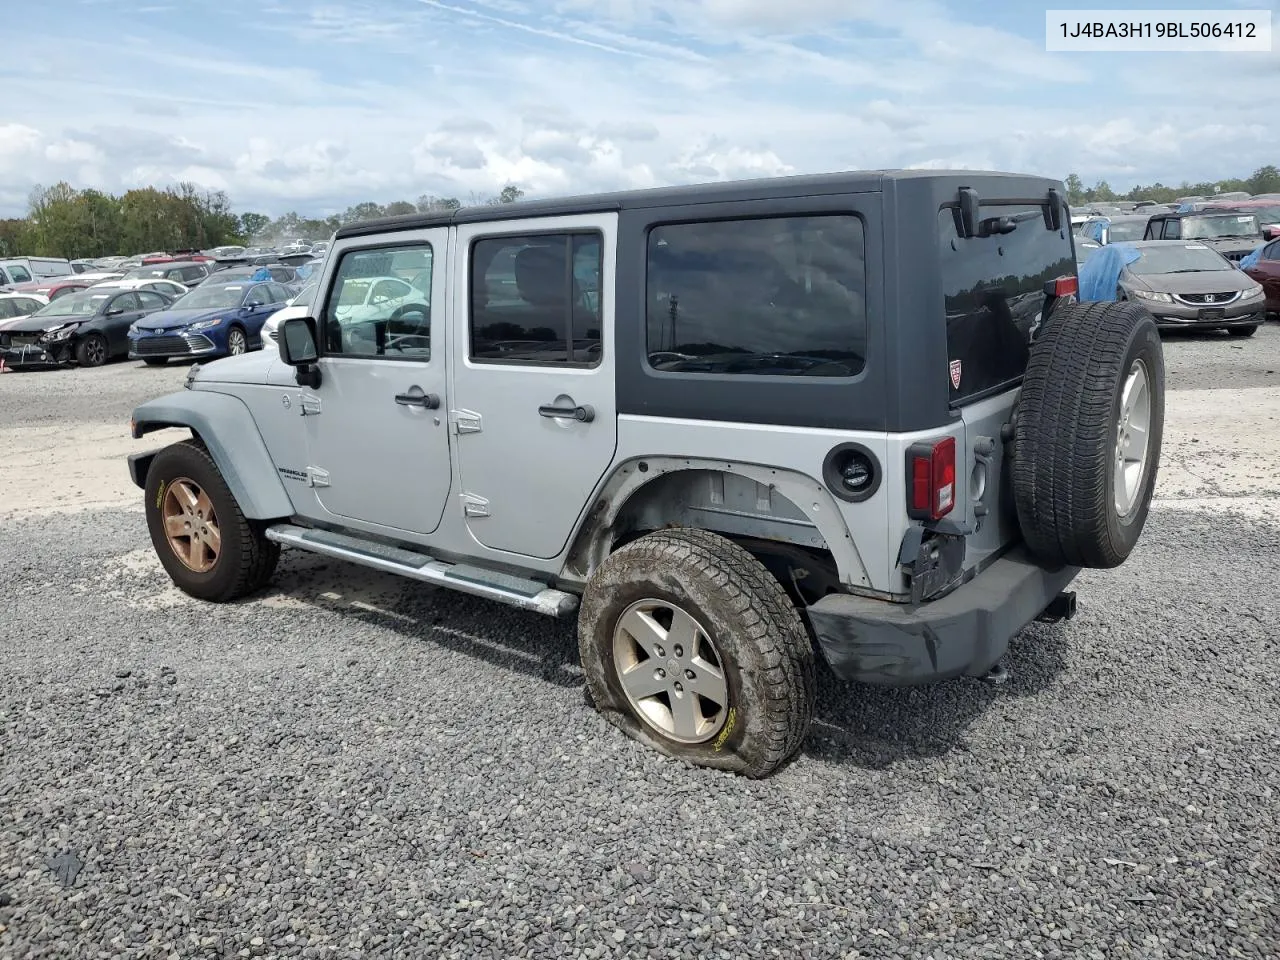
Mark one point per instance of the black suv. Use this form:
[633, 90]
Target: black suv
[1231, 233]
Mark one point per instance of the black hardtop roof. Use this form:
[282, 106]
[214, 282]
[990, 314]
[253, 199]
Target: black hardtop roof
[855, 181]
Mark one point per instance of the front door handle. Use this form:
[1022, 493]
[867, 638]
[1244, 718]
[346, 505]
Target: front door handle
[414, 397]
[583, 413]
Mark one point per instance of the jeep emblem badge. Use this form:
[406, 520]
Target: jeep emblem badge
[955, 374]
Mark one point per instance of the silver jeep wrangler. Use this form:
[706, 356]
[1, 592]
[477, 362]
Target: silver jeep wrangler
[726, 426]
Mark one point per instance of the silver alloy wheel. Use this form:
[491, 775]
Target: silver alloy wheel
[1133, 439]
[670, 671]
[235, 343]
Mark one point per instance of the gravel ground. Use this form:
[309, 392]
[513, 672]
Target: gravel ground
[354, 766]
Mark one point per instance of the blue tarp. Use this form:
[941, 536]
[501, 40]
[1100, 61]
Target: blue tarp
[1252, 258]
[262, 273]
[1100, 274]
[1094, 230]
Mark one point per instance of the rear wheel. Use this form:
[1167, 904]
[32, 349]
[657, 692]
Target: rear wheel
[1087, 434]
[691, 646]
[205, 543]
[1243, 331]
[92, 350]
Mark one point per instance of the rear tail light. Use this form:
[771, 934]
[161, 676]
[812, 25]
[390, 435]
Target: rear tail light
[931, 478]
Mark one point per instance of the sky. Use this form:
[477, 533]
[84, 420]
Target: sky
[313, 107]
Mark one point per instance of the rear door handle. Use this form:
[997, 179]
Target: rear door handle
[416, 398]
[583, 413]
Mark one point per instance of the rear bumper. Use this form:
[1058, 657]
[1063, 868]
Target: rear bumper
[964, 633]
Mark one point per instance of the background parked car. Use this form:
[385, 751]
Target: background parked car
[216, 319]
[15, 306]
[278, 271]
[1186, 284]
[169, 288]
[53, 289]
[1114, 229]
[88, 328]
[189, 273]
[1267, 272]
[17, 270]
[1234, 235]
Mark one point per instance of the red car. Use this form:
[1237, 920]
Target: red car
[52, 287]
[1267, 272]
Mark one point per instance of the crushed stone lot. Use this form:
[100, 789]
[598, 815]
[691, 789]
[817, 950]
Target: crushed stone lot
[351, 765]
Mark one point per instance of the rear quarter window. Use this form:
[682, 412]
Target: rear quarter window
[993, 289]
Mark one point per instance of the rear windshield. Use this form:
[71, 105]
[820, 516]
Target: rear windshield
[994, 291]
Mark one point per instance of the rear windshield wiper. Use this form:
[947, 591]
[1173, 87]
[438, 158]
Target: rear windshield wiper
[1001, 225]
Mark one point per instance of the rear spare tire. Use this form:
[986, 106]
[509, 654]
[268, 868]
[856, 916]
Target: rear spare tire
[1087, 434]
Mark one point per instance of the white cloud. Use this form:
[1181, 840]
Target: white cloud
[319, 107]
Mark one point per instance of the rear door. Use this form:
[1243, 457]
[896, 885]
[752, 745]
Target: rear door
[116, 325]
[994, 295]
[533, 386]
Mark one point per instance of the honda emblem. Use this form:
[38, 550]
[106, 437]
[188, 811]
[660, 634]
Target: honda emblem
[955, 374]
[1210, 298]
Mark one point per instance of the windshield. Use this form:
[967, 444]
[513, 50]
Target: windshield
[1220, 225]
[146, 273]
[73, 305]
[1126, 230]
[211, 297]
[353, 292]
[1178, 258]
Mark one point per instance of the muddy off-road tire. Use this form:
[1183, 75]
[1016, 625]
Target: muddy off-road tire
[691, 646]
[209, 548]
[1087, 434]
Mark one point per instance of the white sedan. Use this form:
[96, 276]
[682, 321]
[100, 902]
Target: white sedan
[170, 288]
[368, 299]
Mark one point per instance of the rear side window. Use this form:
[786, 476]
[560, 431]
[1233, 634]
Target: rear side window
[782, 296]
[536, 299]
[19, 274]
[994, 292]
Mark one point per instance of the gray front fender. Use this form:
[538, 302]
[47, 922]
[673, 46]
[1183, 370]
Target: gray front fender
[228, 431]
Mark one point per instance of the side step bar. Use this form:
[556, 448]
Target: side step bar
[516, 591]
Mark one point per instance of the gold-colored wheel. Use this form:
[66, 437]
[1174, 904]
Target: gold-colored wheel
[191, 525]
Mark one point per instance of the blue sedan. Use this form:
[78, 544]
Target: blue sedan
[216, 319]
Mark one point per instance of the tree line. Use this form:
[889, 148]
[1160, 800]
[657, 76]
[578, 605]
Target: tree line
[1263, 180]
[62, 221]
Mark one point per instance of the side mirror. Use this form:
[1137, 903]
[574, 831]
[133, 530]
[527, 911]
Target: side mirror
[1270, 233]
[297, 340]
[115, 311]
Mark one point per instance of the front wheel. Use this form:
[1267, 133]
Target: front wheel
[92, 350]
[691, 646]
[205, 543]
[237, 342]
[1243, 331]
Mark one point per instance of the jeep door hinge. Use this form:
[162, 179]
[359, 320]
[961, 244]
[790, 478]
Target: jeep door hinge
[317, 477]
[465, 421]
[309, 405]
[474, 506]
